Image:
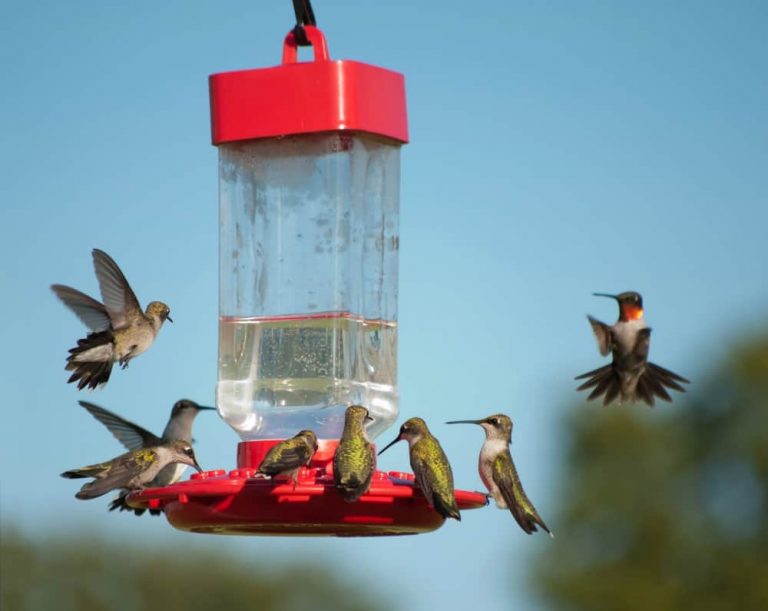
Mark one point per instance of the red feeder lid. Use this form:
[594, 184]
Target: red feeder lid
[244, 502]
[307, 97]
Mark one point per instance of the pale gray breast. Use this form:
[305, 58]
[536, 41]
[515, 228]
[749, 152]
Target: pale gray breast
[625, 333]
[170, 474]
[488, 453]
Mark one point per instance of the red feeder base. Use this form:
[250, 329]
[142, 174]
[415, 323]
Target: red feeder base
[244, 502]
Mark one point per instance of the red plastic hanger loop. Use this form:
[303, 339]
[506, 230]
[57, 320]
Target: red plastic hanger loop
[315, 37]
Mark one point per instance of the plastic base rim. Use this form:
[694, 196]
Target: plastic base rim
[244, 502]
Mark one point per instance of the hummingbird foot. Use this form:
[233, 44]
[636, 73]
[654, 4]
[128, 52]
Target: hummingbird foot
[127, 357]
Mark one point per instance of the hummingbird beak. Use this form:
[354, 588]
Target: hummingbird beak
[606, 295]
[464, 422]
[389, 445]
[198, 467]
[205, 407]
[368, 418]
[169, 319]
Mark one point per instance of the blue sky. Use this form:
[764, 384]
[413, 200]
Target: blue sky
[557, 149]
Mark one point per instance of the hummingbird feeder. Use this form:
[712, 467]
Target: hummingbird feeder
[309, 163]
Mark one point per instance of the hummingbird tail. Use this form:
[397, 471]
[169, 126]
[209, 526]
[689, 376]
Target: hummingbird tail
[352, 488]
[447, 507]
[91, 360]
[528, 520]
[604, 381]
[351, 494]
[91, 375]
[668, 376]
[651, 384]
[655, 380]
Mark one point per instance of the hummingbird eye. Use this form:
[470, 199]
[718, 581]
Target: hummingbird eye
[188, 451]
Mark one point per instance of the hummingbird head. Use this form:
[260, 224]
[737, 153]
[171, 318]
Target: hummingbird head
[183, 453]
[357, 414]
[412, 430]
[630, 304]
[184, 406]
[157, 310]
[309, 437]
[497, 426]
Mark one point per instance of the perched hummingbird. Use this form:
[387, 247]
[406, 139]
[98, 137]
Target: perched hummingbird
[355, 459]
[120, 331]
[497, 470]
[134, 437]
[133, 470]
[286, 457]
[630, 377]
[430, 466]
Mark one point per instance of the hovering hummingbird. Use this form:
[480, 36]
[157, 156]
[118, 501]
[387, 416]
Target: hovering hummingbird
[498, 472]
[286, 457]
[355, 459]
[630, 377]
[133, 470]
[120, 331]
[134, 437]
[430, 466]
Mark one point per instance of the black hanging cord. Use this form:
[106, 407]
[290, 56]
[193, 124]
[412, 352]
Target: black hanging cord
[304, 16]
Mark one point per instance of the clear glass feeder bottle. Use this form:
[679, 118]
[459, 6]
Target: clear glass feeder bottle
[308, 283]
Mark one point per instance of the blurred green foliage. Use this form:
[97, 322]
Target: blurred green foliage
[667, 508]
[82, 574]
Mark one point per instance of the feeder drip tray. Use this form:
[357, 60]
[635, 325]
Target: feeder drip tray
[245, 502]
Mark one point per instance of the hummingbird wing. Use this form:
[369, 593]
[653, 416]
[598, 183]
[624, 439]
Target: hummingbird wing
[88, 471]
[131, 435]
[642, 344]
[90, 312]
[434, 477]
[121, 473]
[505, 477]
[285, 456]
[603, 335]
[119, 300]
[353, 465]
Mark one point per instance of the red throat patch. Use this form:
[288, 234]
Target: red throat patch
[631, 312]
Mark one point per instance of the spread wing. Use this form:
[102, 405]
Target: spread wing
[92, 313]
[131, 435]
[119, 300]
[603, 336]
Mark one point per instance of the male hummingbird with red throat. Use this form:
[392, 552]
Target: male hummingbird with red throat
[630, 377]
